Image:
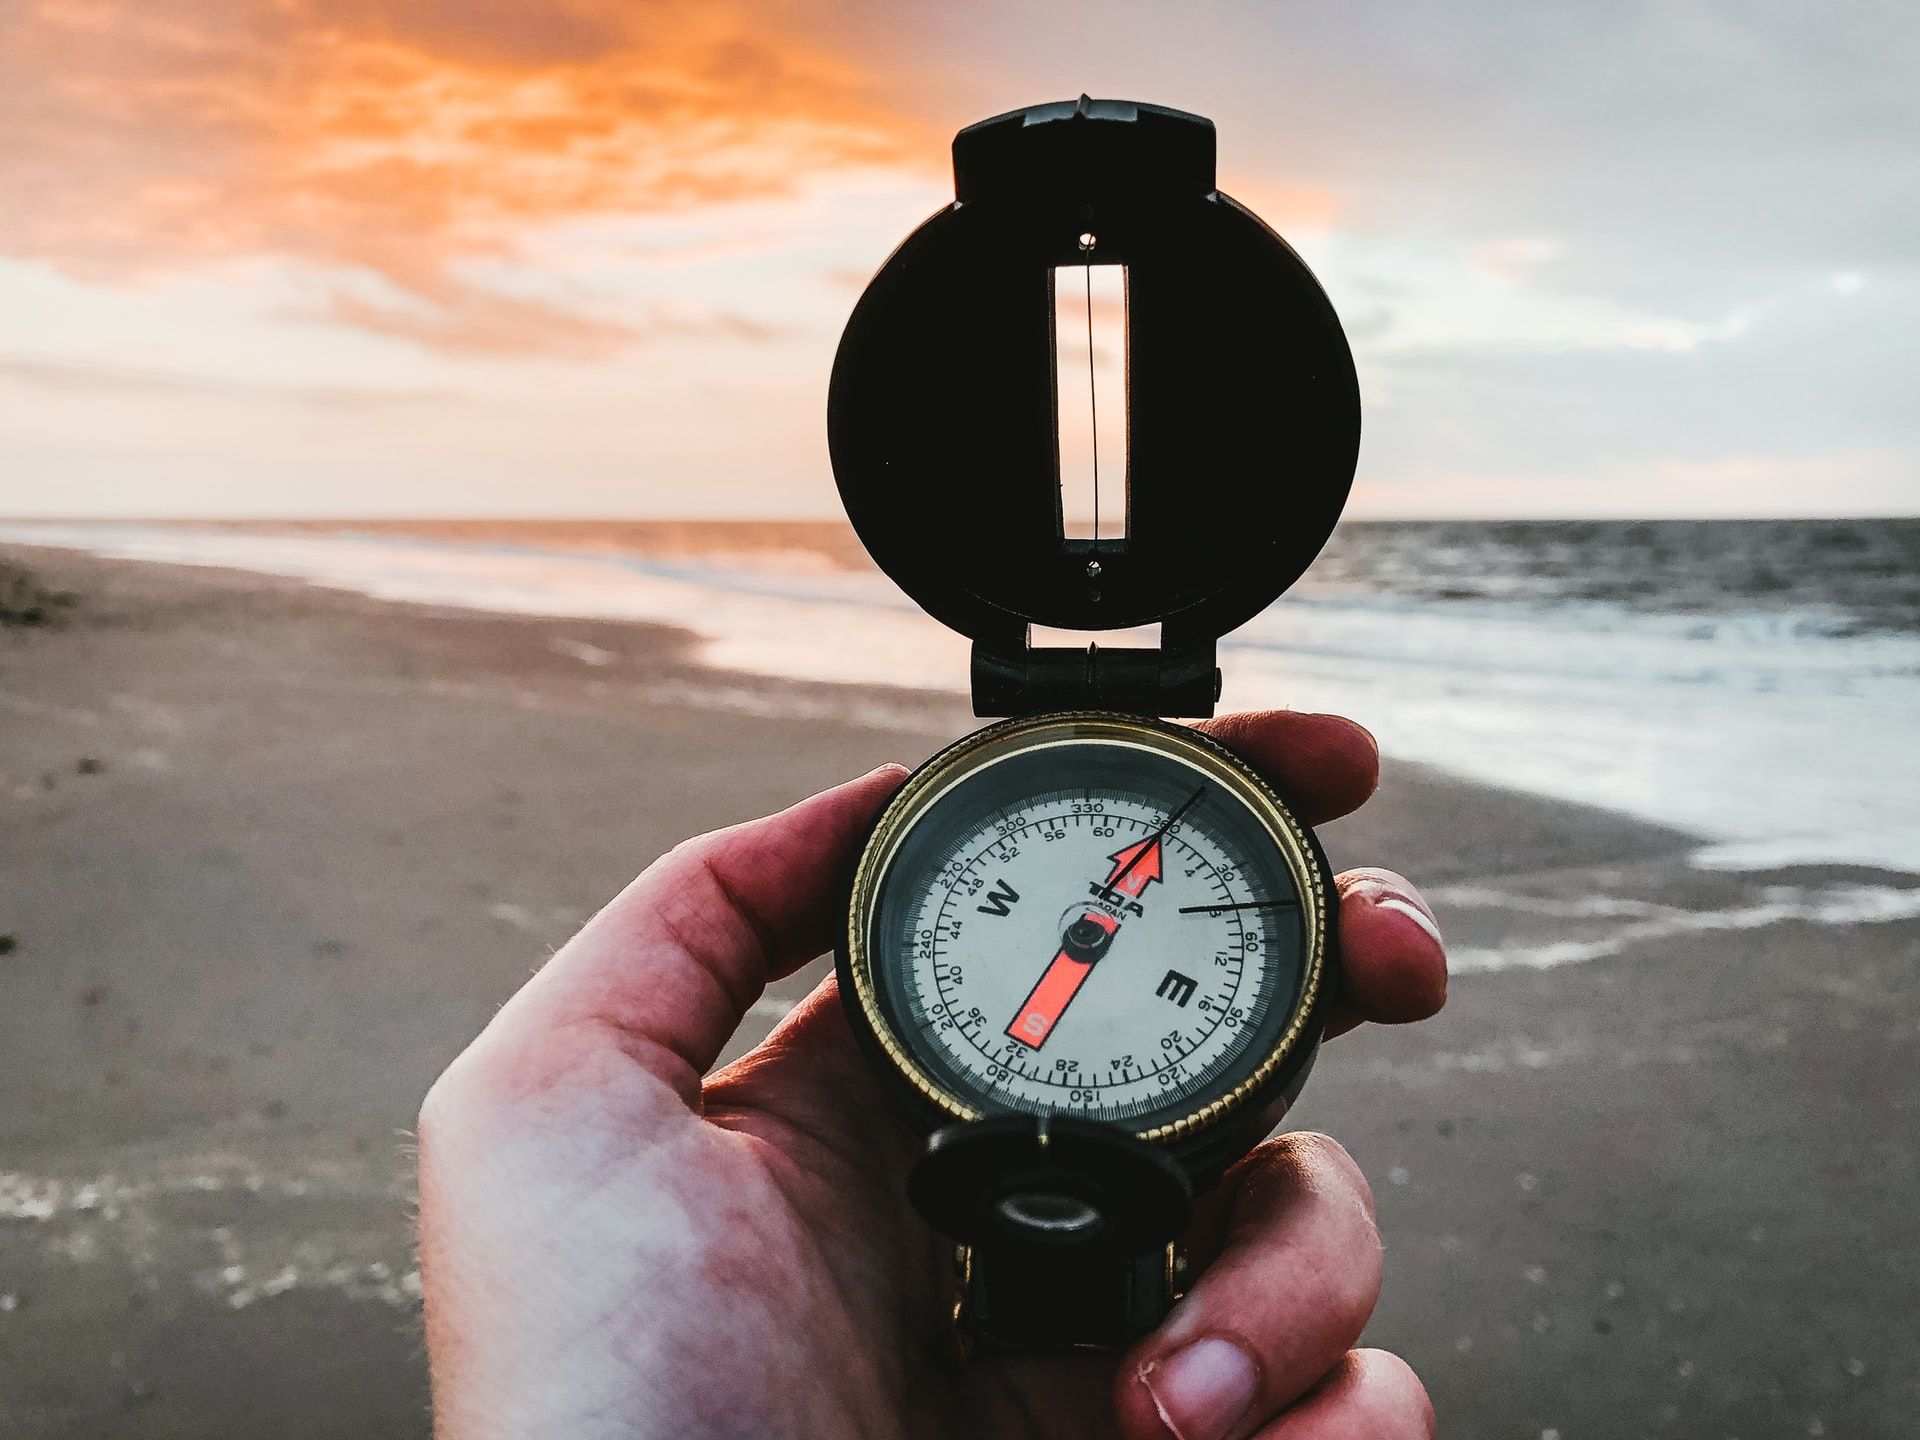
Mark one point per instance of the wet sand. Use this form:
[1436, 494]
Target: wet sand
[272, 854]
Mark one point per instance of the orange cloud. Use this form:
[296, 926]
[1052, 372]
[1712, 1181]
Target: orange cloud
[59, 373]
[400, 136]
[466, 318]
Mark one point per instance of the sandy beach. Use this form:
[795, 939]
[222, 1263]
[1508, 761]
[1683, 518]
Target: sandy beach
[272, 854]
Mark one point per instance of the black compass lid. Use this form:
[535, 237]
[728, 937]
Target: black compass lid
[1243, 414]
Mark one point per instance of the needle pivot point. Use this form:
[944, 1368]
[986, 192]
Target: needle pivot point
[1086, 939]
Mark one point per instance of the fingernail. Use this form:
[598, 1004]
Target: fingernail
[1384, 890]
[1203, 1389]
[1401, 906]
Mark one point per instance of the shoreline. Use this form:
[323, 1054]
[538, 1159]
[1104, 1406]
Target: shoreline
[1521, 829]
[277, 851]
[1665, 719]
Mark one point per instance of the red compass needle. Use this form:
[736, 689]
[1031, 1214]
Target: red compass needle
[1087, 939]
[1049, 999]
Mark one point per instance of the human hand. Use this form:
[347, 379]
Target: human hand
[612, 1245]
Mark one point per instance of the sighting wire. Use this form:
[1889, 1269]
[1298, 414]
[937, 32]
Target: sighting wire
[1093, 403]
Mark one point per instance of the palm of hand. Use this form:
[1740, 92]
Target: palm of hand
[806, 1126]
[747, 1269]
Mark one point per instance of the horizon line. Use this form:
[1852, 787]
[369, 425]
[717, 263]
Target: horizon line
[841, 520]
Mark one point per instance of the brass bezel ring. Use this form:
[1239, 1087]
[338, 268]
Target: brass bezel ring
[965, 758]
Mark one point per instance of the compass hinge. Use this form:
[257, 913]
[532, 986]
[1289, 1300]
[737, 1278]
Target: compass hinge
[1182, 681]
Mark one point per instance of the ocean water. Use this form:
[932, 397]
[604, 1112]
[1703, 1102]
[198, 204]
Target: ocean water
[1753, 683]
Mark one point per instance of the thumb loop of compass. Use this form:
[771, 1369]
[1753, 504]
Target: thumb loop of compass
[973, 1176]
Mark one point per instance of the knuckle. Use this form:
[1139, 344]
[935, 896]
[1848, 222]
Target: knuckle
[1396, 1401]
[1305, 1207]
[1305, 1166]
[488, 1080]
[1346, 1234]
[1353, 1289]
[452, 1099]
[1332, 1170]
[432, 1116]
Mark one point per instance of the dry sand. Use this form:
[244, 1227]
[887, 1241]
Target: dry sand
[272, 854]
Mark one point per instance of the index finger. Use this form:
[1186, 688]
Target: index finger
[1326, 765]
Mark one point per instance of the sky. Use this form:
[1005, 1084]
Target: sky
[592, 257]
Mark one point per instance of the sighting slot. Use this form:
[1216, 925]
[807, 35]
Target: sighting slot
[1090, 402]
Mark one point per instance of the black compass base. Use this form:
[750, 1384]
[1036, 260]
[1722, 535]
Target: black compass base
[1016, 1298]
[1067, 1228]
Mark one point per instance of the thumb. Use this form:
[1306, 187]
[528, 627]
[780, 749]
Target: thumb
[1296, 1276]
[671, 965]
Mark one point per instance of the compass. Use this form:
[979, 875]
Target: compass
[1170, 913]
[1088, 948]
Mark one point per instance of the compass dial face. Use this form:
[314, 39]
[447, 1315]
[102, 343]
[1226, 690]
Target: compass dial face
[1102, 918]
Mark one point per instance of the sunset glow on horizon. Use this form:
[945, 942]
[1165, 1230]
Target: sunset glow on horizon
[359, 257]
